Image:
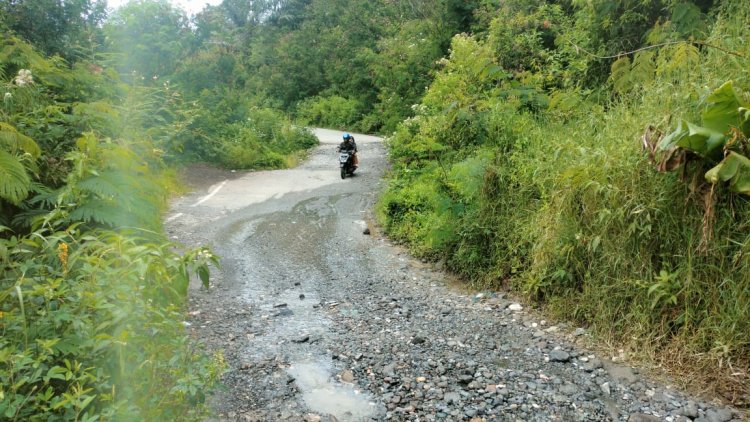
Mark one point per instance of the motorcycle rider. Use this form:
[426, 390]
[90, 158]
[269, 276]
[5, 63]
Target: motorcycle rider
[349, 145]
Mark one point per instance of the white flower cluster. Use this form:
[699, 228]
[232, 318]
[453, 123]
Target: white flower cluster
[204, 254]
[24, 77]
[7, 97]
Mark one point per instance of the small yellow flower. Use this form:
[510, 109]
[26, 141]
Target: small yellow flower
[62, 253]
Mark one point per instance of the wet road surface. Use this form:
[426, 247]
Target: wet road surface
[319, 321]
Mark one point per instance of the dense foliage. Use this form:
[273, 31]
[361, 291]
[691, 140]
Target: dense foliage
[338, 63]
[95, 109]
[92, 295]
[524, 167]
[209, 111]
[518, 150]
[590, 154]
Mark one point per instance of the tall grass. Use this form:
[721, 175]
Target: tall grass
[564, 206]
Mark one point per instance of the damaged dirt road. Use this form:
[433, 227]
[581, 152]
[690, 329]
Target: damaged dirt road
[319, 321]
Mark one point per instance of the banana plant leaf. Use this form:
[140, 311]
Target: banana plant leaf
[735, 169]
[723, 111]
[704, 141]
[700, 140]
[669, 141]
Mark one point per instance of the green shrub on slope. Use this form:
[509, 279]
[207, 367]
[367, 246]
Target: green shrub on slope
[519, 176]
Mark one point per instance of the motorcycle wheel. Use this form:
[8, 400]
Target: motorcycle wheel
[343, 173]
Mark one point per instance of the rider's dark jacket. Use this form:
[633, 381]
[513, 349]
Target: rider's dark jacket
[348, 145]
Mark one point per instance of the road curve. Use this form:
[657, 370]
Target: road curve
[319, 321]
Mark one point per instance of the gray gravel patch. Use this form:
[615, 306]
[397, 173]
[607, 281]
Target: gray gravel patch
[320, 321]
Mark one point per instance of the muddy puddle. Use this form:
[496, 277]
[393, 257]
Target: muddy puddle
[326, 396]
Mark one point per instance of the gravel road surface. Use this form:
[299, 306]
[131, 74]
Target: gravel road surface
[320, 321]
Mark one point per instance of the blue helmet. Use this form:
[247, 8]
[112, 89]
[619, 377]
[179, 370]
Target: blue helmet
[347, 136]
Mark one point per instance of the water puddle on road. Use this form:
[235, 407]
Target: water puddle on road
[326, 397]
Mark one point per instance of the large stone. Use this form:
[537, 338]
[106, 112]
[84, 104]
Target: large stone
[347, 376]
[284, 312]
[592, 365]
[451, 397]
[559, 356]
[643, 417]
[568, 389]
[622, 374]
[719, 415]
[465, 379]
[389, 370]
[690, 410]
[418, 340]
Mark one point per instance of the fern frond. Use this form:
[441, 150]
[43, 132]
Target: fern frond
[106, 184]
[117, 199]
[99, 211]
[683, 56]
[688, 19]
[43, 196]
[14, 181]
[620, 76]
[14, 141]
[27, 218]
[643, 68]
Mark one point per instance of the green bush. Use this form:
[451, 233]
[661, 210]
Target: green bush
[91, 328]
[332, 112]
[92, 295]
[266, 140]
[556, 199]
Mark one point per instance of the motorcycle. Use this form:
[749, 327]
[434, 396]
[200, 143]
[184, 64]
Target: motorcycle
[346, 163]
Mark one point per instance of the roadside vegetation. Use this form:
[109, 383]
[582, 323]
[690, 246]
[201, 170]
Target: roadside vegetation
[92, 295]
[595, 159]
[591, 155]
[98, 111]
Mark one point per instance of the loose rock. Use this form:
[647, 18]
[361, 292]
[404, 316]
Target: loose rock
[559, 356]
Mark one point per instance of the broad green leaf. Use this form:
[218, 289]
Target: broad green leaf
[56, 372]
[670, 141]
[735, 168]
[202, 271]
[86, 402]
[744, 113]
[723, 111]
[703, 141]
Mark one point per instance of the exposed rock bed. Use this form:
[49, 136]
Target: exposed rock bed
[320, 322]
